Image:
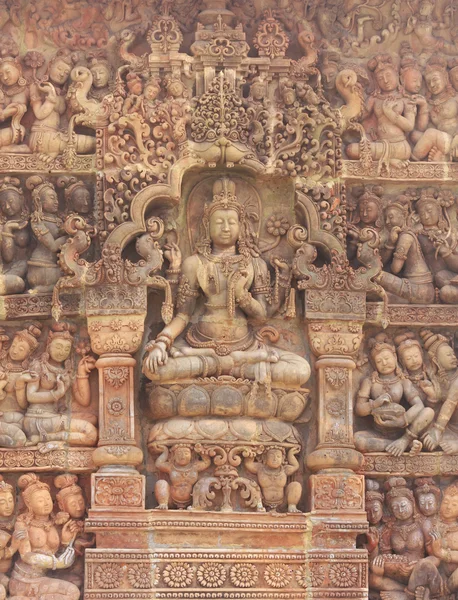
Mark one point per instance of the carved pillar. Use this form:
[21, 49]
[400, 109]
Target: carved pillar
[337, 493]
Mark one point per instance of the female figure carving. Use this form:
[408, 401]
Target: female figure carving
[44, 423]
[234, 281]
[14, 376]
[43, 272]
[402, 544]
[439, 141]
[438, 241]
[49, 107]
[8, 544]
[410, 279]
[14, 98]
[101, 76]
[395, 429]
[394, 113]
[374, 510]
[444, 432]
[14, 218]
[40, 541]
[368, 213]
[410, 354]
[428, 497]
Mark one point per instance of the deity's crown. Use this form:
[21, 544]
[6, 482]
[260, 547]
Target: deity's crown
[29, 484]
[380, 342]
[436, 63]
[66, 483]
[61, 330]
[432, 341]
[224, 197]
[30, 335]
[373, 491]
[5, 487]
[10, 183]
[428, 195]
[402, 203]
[397, 488]
[381, 62]
[426, 485]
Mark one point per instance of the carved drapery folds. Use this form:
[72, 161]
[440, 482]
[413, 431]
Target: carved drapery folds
[228, 299]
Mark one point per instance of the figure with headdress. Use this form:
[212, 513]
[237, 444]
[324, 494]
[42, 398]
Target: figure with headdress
[72, 504]
[410, 355]
[229, 273]
[47, 226]
[14, 98]
[48, 421]
[412, 80]
[78, 199]
[438, 240]
[14, 237]
[15, 374]
[394, 112]
[440, 138]
[49, 107]
[40, 542]
[380, 396]
[409, 279]
[423, 25]
[374, 510]
[272, 473]
[182, 465]
[428, 497]
[437, 575]
[367, 211]
[453, 72]
[102, 76]
[402, 542]
[8, 543]
[444, 431]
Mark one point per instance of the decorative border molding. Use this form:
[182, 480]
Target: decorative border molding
[78, 460]
[378, 464]
[420, 171]
[421, 315]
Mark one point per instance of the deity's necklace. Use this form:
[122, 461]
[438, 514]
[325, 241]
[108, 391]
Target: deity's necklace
[386, 383]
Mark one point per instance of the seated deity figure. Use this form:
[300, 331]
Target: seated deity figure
[45, 423]
[40, 541]
[15, 237]
[439, 141]
[437, 241]
[395, 115]
[444, 431]
[402, 542]
[437, 575]
[410, 354]
[410, 280]
[234, 281]
[14, 376]
[380, 395]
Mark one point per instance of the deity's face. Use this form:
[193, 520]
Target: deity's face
[59, 71]
[49, 200]
[385, 362]
[426, 8]
[81, 200]
[59, 349]
[224, 227]
[19, 349]
[274, 458]
[328, 76]
[6, 504]
[151, 91]
[258, 91]
[453, 76]
[135, 86]
[374, 509]
[289, 96]
[429, 213]
[446, 357]
[394, 217]
[100, 76]
[182, 456]
[412, 358]
[387, 79]
[427, 503]
[9, 73]
[401, 508]
[175, 89]
[436, 82]
[40, 503]
[412, 79]
[449, 506]
[368, 212]
[75, 505]
[11, 203]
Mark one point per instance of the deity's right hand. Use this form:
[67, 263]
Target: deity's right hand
[157, 357]
[172, 253]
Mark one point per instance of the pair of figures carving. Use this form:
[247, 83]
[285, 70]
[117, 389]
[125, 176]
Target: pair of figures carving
[34, 390]
[182, 464]
[431, 419]
[403, 124]
[44, 226]
[413, 547]
[49, 101]
[418, 245]
[44, 541]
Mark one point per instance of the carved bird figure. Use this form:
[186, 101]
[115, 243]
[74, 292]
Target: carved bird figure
[85, 111]
[136, 63]
[352, 92]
